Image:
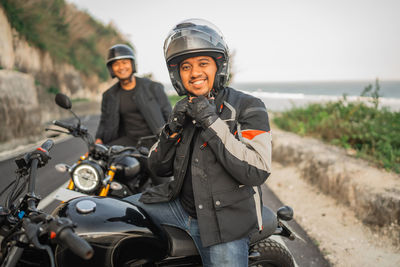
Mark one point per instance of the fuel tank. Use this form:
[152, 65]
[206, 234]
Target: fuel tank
[118, 231]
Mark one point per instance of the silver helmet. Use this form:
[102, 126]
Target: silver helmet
[194, 37]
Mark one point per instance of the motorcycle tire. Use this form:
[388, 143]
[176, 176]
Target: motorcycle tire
[271, 254]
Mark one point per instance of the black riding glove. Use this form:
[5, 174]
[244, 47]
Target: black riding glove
[203, 111]
[178, 115]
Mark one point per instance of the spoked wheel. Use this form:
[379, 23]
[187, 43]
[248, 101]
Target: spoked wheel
[271, 254]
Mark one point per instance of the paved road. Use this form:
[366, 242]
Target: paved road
[68, 151]
[64, 151]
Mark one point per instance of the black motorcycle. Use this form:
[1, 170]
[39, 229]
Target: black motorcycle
[104, 170]
[124, 235]
[118, 232]
[29, 237]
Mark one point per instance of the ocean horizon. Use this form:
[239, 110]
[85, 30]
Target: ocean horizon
[388, 89]
[279, 96]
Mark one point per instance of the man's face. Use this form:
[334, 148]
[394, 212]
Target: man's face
[122, 68]
[198, 74]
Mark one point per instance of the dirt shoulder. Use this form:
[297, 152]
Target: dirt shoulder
[329, 211]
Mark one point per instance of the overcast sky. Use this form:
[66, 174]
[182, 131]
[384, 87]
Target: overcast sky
[274, 40]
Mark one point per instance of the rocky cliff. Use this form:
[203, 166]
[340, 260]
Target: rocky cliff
[29, 74]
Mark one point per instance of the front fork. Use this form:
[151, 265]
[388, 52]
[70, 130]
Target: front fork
[108, 180]
[71, 184]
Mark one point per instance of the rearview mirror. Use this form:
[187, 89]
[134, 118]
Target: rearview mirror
[63, 101]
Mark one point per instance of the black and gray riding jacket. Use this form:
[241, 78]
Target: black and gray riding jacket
[231, 160]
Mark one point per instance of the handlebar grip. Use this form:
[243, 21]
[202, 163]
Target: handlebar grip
[76, 244]
[63, 124]
[48, 145]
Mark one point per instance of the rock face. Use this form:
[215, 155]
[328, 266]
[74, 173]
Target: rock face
[19, 108]
[372, 193]
[26, 76]
[6, 44]
[17, 54]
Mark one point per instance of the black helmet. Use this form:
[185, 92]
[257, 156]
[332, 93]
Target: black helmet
[120, 51]
[194, 37]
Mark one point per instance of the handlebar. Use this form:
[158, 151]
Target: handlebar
[76, 244]
[27, 223]
[48, 145]
[39, 158]
[74, 130]
[64, 125]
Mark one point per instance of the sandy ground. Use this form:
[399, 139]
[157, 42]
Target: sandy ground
[341, 237]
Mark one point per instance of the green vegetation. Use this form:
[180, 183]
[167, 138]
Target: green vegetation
[87, 59]
[76, 100]
[45, 24]
[53, 90]
[174, 98]
[373, 133]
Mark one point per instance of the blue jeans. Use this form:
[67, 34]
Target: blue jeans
[230, 254]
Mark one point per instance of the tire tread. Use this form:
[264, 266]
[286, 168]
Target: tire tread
[272, 253]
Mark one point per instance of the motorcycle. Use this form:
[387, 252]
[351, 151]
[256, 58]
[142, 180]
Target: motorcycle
[104, 170]
[123, 234]
[27, 233]
[101, 231]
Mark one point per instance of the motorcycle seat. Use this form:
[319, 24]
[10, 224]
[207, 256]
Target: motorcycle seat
[270, 223]
[181, 243]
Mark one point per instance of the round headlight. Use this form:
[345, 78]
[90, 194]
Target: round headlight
[87, 177]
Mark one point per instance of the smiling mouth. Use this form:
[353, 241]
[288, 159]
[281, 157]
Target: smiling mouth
[122, 73]
[198, 82]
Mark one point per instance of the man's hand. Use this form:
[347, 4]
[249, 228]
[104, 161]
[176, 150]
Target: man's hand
[178, 115]
[98, 141]
[203, 111]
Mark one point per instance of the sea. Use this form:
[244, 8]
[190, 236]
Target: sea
[280, 96]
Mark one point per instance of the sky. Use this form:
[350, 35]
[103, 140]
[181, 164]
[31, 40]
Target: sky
[273, 40]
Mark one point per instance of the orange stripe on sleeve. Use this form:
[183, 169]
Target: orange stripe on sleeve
[250, 134]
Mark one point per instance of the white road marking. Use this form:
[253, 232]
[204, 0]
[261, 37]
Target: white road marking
[51, 197]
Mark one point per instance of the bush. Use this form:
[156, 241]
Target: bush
[374, 133]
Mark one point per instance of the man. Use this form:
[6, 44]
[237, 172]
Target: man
[133, 107]
[217, 145]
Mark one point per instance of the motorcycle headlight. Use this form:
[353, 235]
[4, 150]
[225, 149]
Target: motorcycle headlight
[87, 176]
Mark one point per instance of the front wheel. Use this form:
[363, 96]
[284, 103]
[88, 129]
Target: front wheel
[271, 253]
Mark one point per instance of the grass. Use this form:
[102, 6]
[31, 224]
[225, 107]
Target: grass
[373, 132]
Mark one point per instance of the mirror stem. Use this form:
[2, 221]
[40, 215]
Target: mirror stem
[79, 120]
